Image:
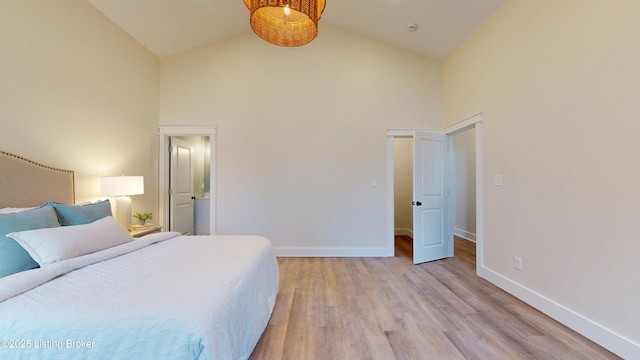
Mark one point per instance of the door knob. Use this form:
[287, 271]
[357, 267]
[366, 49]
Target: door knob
[416, 203]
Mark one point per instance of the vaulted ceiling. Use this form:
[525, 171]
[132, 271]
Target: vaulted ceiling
[167, 27]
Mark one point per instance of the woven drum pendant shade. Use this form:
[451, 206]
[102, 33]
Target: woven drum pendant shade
[270, 21]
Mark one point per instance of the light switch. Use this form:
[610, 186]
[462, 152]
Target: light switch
[374, 182]
[497, 180]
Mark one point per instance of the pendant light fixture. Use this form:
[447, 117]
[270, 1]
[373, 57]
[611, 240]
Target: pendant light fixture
[290, 23]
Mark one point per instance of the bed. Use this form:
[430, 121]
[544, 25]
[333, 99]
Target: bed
[164, 296]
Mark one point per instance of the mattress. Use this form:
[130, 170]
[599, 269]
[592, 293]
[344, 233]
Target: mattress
[165, 296]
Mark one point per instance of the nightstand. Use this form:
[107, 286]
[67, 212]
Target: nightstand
[145, 231]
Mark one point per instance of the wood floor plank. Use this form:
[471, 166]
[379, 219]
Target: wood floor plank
[416, 342]
[561, 336]
[390, 309]
[273, 348]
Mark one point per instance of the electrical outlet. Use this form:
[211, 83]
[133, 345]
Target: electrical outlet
[517, 263]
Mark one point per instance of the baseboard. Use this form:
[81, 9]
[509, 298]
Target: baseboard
[403, 232]
[332, 252]
[464, 234]
[606, 338]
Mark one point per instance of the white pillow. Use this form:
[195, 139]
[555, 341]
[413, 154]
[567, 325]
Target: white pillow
[51, 245]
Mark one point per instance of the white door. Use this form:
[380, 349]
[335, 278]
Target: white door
[181, 215]
[432, 236]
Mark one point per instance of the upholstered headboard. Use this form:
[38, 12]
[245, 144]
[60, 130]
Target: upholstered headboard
[24, 183]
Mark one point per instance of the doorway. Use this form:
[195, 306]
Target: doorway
[473, 123]
[422, 189]
[464, 170]
[403, 186]
[201, 184]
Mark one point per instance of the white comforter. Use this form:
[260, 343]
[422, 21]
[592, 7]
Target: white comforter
[161, 297]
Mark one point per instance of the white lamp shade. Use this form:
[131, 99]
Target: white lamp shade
[122, 185]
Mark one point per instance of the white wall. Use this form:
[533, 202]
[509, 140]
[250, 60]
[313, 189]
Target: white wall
[464, 149]
[403, 185]
[558, 83]
[301, 132]
[78, 93]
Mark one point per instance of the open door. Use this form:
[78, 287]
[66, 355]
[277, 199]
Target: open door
[181, 199]
[432, 236]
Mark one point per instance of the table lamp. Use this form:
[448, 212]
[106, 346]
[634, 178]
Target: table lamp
[123, 187]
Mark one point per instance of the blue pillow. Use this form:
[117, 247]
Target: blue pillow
[13, 258]
[81, 214]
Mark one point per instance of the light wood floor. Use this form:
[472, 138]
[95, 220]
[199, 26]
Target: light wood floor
[388, 308]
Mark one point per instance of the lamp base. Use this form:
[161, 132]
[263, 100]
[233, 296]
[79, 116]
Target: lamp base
[123, 211]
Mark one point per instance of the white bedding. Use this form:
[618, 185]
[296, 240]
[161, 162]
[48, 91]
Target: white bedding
[175, 297]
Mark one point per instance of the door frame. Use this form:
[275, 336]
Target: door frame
[164, 133]
[474, 121]
[391, 135]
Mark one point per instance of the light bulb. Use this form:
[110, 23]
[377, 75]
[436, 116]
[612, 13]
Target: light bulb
[287, 10]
